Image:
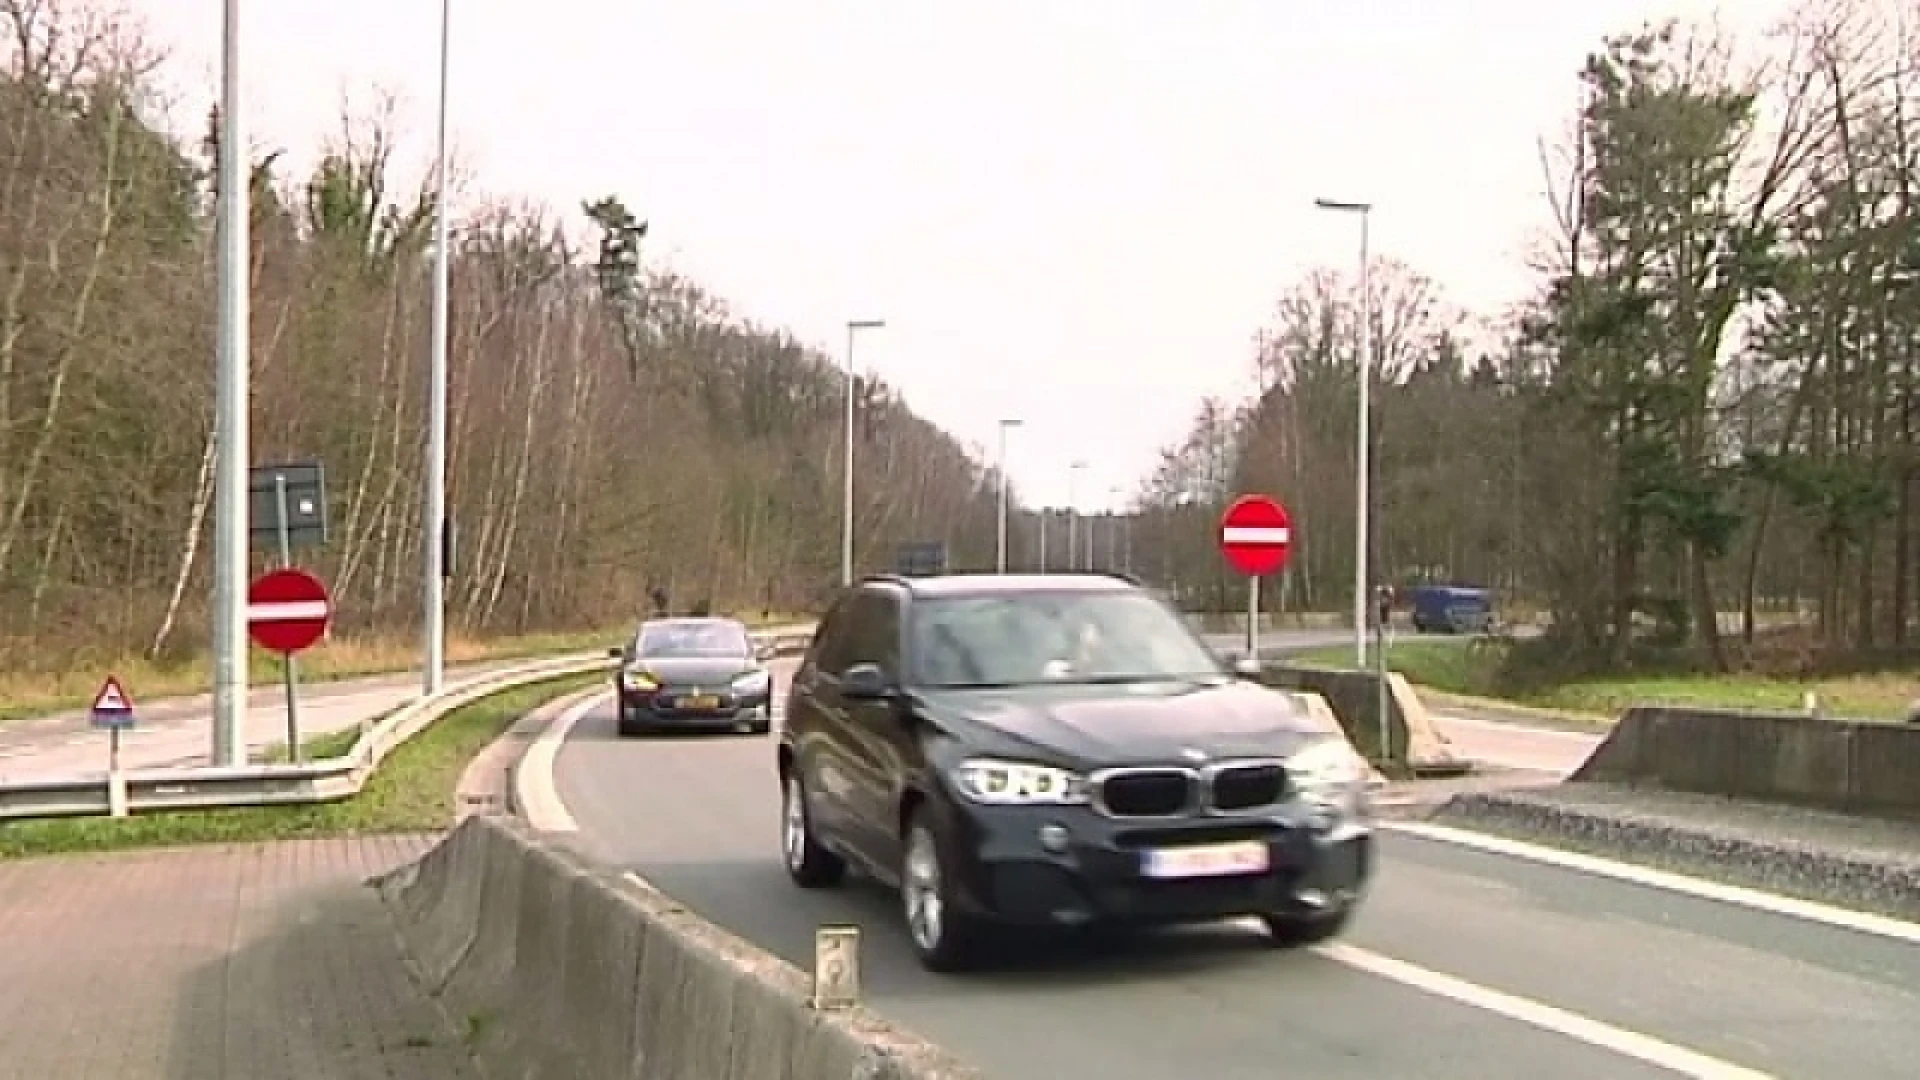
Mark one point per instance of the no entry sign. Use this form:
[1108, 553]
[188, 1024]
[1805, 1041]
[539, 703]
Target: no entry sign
[1256, 535]
[287, 610]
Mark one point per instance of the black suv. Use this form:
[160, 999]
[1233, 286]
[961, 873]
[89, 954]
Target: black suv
[1059, 750]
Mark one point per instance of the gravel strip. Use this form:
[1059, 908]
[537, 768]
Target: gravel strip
[1868, 864]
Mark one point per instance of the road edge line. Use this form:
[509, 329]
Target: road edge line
[1641, 1047]
[536, 792]
[1882, 926]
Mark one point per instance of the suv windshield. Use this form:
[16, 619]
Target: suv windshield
[1049, 638]
[668, 640]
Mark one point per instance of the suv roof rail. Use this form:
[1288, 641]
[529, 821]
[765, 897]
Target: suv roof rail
[889, 578]
[1118, 575]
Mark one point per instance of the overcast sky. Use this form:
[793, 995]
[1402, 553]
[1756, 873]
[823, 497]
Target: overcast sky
[1076, 214]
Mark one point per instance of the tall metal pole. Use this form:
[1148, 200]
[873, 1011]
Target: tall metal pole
[846, 463]
[1000, 546]
[1363, 466]
[1363, 454]
[230, 532]
[433, 528]
[1073, 514]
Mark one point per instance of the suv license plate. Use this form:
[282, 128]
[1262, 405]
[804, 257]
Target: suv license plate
[1206, 860]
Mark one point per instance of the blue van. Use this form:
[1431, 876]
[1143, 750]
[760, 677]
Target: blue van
[1451, 609]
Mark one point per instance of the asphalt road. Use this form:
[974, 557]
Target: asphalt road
[1464, 964]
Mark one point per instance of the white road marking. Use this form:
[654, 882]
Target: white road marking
[1644, 1048]
[1772, 903]
[537, 794]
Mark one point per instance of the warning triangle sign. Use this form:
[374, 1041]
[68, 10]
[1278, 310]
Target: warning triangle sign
[111, 698]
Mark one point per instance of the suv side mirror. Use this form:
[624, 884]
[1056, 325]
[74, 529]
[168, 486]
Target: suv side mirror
[866, 682]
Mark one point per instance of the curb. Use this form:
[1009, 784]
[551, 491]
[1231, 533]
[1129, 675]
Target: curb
[1792, 869]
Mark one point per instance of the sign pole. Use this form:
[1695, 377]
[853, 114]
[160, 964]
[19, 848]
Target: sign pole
[116, 780]
[290, 668]
[1380, 674]
[1253, 616]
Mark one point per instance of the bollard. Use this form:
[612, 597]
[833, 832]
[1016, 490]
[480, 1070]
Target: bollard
[117, 793]
[836, 967]
[1810, 702]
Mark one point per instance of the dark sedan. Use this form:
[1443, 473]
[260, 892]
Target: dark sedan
[1060, 751]
[693, 673]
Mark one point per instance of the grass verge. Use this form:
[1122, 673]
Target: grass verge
[412, 791]
[37, 693]
[1454, 667]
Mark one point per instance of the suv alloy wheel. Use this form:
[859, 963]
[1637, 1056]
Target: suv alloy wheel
[810, 865]
[943, 939]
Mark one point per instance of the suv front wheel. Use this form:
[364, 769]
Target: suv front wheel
[810, 865]
[943, 939]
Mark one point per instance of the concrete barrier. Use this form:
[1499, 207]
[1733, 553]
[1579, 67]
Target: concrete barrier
[1354, 697]
[1323, 718]
[1846, 765]
[561, 969]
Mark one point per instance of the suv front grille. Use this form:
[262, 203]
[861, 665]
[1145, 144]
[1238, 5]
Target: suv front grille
[1169, 791]
[1243, 787]
[1148, 792]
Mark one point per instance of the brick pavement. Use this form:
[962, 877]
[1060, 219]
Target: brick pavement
[238, 962]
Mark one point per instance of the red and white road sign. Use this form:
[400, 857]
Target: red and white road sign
[287, 610]
[112, 697]
[112, 707]
[1256, 535]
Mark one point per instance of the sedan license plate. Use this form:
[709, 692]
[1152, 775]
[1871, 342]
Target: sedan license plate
[1206, 860]
[700, 701]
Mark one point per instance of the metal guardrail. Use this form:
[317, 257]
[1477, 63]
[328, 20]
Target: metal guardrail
[202, 787]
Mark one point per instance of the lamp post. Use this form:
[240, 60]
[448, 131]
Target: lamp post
[434, 511]
[230, 510]
[1000, 545]
[846, 486]
[1073, 514]
[1363, 454]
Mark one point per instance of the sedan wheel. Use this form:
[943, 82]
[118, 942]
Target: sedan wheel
[810, 865]
[942, 938]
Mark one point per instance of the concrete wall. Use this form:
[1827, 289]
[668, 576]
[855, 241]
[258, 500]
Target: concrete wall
[562, 971]
[1775, 757]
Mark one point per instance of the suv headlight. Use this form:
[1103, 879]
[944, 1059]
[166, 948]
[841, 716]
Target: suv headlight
[1018, 783]
[753, 681]
[1331, 774]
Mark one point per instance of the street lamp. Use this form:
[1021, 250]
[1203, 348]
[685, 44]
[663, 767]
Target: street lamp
[1364, 453]
[1073, 514]
[230, 418]
[1000, 547]
[434, 511]
[854, 326]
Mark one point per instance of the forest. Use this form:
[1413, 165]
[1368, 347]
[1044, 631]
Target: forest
[613, 425]
[1695, 441]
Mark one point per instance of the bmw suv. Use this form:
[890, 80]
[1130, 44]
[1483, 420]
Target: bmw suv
[1059, 750]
